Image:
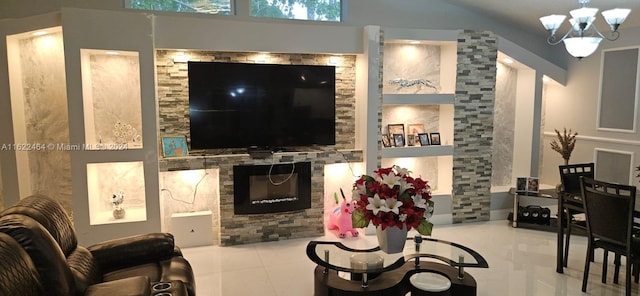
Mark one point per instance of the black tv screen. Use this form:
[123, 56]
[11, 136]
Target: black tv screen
[240, 105]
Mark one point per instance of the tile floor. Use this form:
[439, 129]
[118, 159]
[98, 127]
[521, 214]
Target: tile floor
[521, 262]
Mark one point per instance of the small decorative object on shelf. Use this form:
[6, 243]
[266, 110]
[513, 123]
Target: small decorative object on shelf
[124, 133]
[402, 83]
[116, 201]
[435, 138]
[395, 203]
[340, 218]
[564, 144]
[527, 185]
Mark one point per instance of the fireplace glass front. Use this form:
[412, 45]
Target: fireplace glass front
[282, 187]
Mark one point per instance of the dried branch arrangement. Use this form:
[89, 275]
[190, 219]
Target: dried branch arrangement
[564, 144]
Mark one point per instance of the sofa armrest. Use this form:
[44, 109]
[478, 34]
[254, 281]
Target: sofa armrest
[133, 286]
[133, 250]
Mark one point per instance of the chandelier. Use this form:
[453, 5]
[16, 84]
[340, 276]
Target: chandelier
[583, 37]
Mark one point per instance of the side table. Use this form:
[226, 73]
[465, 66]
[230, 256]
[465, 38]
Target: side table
[392, 277]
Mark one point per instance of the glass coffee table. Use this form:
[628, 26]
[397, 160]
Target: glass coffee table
[374, 272]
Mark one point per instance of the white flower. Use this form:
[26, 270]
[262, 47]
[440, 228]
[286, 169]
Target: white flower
[401, 171]
[358, 191]
[419, 202]
[428, 213]
[390, 180]
[393, 205]
[402, 217]
[376, 204]
[404, 185]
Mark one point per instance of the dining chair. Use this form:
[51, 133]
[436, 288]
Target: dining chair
[570, 194]
[609, 210]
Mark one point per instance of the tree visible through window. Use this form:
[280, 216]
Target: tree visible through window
[199, 6]
[318, 10]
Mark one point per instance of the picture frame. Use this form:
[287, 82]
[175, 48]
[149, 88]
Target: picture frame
[174, 146]
[396, 128]
[415, 128]
[424, 139]
[411, 139]
[386, 142]
[525, 185]
[434, 138]
[398, 140]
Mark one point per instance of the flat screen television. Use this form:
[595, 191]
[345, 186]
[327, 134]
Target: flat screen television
[241, 105]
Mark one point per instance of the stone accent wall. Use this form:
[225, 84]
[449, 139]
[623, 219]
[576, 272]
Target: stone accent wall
[473, 125]
[173, 90]
[231, 229]
[244, 229]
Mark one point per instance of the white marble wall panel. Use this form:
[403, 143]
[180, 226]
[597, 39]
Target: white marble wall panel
[411, 62]
[190, 191]
[105, 179]
[115, 87]
[504, 124]
[46, 116]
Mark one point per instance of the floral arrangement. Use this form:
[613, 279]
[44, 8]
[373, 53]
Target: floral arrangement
[564, 144]
[392, 198]
[117, 199]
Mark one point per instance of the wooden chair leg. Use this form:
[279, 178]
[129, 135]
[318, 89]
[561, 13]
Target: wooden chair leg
[585, 275]
[627, 282]
[636, 271]
[566, 242]
[616, 274]
[605, 263]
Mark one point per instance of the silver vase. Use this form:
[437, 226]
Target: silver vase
[392, 239]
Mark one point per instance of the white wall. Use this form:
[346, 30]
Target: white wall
[576, 106]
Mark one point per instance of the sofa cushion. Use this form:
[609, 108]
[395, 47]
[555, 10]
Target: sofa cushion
[133, 286]
[18, 275]
[55, 275]
[84, 269]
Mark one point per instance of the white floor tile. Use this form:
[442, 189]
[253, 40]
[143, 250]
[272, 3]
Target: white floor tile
[521, 262]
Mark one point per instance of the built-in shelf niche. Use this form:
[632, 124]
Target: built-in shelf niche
[433, 61]
[106, 179]
[112, 99]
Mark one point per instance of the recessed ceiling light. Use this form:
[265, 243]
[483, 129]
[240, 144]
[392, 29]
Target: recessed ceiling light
[112, 52]
[39, 33]
[507, 61]
[414, 42]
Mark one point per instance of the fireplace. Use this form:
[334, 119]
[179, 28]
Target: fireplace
[262, 189]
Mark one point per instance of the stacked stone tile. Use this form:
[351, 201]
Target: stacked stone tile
[473, 125]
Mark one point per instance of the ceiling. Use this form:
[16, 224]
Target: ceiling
[526, 13]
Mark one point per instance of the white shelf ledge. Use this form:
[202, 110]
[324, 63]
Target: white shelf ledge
[418, 99]
[417, 151]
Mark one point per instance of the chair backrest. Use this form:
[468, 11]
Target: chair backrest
[48, 258]
[609, 211]
[570, 176]
[18, 274]
[52, 216]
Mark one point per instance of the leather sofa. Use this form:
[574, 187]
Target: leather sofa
[147, 264]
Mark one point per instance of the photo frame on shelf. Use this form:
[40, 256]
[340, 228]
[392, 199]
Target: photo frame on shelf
[174, 146]
[434, 138]
[398, 140]
[386, 142]
[396, 128]
[527, 185]
[415, 128]
[411, 139]
[423, 138]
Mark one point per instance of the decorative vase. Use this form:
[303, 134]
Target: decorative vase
[392, 239]
[118, 213]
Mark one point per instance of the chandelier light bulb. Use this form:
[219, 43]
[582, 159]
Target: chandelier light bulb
[615, 17]
[581, 47]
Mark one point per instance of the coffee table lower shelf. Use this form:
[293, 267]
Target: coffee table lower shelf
[390, 283]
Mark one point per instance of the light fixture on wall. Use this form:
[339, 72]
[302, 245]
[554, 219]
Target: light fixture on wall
[584, 37]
